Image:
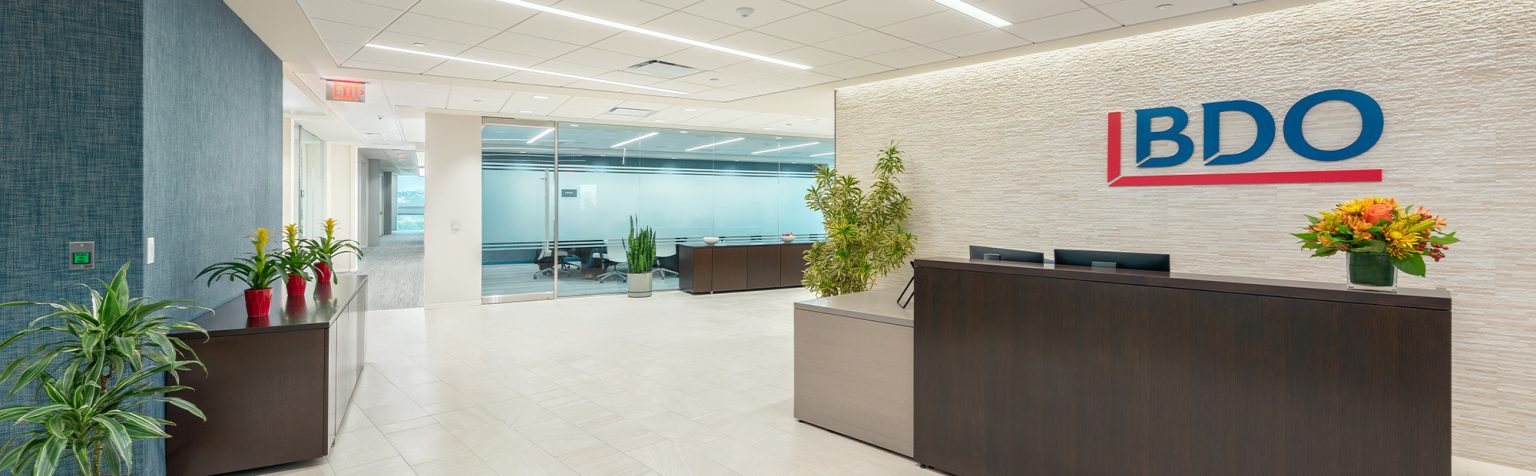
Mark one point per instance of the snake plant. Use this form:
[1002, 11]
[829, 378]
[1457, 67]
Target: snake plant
[641, 247]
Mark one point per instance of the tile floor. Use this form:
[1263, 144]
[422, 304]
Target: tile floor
[673, 385]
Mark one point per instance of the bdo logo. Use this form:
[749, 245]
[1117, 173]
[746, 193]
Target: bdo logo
[1371, 123]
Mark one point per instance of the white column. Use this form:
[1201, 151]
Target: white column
[452, 249]
[341, 197]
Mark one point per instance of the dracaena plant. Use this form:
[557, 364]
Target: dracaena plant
[327, 249]
[97, 373]
[865, 233]
[257, 271]
[296, 257]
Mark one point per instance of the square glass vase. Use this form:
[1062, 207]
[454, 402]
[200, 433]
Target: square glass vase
[1371, 272]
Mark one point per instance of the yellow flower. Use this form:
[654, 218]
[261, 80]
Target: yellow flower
[260, 241]
[291, 234]
[330, 227]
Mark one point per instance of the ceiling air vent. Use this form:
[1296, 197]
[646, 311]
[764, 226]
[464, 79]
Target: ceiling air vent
[631, 112]
[661, 69]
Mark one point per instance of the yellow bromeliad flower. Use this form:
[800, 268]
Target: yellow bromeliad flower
[260, 241]
[330, 227]
[291, 235]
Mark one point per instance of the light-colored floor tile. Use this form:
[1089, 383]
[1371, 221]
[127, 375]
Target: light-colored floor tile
[530, 462]
[359, 448]
[743, 458]
[559, 438]
[394, 413]
[395, 466]
[460, 465]
[426, 443]
[494, 441]
[668, 457]
[604, 461]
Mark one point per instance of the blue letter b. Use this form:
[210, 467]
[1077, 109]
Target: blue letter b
[1145, 136]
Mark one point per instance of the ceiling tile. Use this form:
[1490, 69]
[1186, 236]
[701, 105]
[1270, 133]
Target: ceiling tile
[558, 28]
[755, 69]
[878, 13]
[596, 58]
[1065, 25]
[810, 27]
[498, 56]
[440, 29]
[701, 58]
[758, 88]
[477, 99]
[800, 79]
[455, 69]
[360, 64]
[691, 26]
[675, 4]
[628, 12]
[525, 101]
[415, 94]
[571, 68]
[341, 50]
[631, 78]
[723, 116]
[909, 57]
[813, 4]
[519, 43]
[1130, 12]
[938, 26]
[346, 33]
[488, 13]
[640, 45]
[869, 42]
[764, 11]
[585, 107]
[754, 42]
[350, 12]
[401, 40]
[535, 78]
[398, 59]
[978, 43]
[812, 56]
[683, 86]
[1016, 11]
[853, 68]
[395, 4]
[714, 79]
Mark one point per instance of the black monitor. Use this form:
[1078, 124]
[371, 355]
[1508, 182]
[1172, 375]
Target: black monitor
[980, 252]
[1118, 259]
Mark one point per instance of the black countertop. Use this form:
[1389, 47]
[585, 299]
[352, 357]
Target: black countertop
[743, 245]
[315, 309]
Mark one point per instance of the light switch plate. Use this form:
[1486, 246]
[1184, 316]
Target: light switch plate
[149, 251]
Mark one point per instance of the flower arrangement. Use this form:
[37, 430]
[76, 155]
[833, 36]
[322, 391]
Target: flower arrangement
[257, 271]
[1379, 225]
[325, 250]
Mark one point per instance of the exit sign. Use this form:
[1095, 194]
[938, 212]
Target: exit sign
[348, 91]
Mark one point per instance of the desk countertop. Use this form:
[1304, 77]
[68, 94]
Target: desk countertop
[878, 305]
[312, 310]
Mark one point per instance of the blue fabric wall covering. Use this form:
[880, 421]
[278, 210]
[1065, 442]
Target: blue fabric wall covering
[103, 137]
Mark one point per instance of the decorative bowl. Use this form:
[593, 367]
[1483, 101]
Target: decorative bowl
[787, 237]
[711, 240]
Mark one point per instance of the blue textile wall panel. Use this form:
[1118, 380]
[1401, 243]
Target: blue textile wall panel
[71, 108]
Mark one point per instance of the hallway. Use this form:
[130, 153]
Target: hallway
[394, 269]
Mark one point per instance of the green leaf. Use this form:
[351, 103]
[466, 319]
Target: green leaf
[1314, 220]
[1370, 246]
[1413, 264]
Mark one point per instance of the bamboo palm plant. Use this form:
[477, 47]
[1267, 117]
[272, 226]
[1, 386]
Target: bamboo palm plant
[327, 249]
[257, 271]
[641, 247]
[866, 237]
[98, 372]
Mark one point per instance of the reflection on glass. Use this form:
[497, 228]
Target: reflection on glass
[410, 202]
[310, 156]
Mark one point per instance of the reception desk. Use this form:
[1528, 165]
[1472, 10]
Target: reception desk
[1034, 369]
[853, 367]
[720, 268]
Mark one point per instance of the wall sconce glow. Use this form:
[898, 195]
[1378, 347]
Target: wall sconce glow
[973, 12]
[651, 33]
[796, 146]
[520, 68]
[724, 142]
[823, 154]
[622, 144]
[541, 135]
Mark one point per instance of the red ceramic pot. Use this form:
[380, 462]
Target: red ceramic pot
[258, 302]
[322, 273]
[296, 285]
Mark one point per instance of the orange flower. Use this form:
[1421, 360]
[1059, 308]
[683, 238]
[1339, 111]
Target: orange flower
[1376, 213]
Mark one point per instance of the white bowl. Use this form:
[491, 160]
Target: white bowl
[787, 237]
[711, 240]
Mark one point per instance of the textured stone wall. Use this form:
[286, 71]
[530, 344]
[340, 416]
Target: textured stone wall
[1012, 153]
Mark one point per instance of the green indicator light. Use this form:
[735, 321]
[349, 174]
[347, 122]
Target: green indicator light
[81, 258]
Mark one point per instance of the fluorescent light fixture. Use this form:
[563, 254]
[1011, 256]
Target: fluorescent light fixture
[787, 147]
[653, 33]
[724, 142]
[622, 144]
[520, 68]
[541, 98]
[973, 12]
[541, 135]
[823, 154]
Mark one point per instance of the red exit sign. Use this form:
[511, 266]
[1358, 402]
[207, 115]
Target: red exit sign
[349, 91]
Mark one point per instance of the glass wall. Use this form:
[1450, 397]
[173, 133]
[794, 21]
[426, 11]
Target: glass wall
[565, 217]
[410, 203]
[310, 160]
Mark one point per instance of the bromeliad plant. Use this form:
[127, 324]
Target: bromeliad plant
[257, 271]
[97, 375]
[327, 249]
[640, 252]
[295, 259]
[1378, 225]
[865, 233]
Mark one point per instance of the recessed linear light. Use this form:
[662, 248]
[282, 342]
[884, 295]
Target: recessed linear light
[724, 142]
[973, 12]
[622, 144]
[541, 98]
[787, 147]
[652, 33]
[525, 111]
[823, 154]
[541, 135]
[690, 110]
[520, 68]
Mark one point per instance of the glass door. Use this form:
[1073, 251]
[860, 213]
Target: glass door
[521, 256]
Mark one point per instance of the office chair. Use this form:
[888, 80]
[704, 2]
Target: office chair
[615, 261]
[548, 260]
[664, 251]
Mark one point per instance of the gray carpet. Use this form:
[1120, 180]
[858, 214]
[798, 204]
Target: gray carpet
[394, 271]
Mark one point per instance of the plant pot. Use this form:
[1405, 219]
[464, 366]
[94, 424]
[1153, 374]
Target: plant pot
[1371, 272]
[639, 284]
[323, 273]
[296, 285]
[258, 302]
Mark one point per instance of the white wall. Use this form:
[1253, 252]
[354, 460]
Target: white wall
[452, 237]
[1012, 153]
[290, 174]
[341, 198]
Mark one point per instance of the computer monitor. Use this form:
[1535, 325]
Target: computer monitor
[1116, 259]
[980, 252]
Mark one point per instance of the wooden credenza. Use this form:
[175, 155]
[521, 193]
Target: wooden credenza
[708, 269]
[277, 387]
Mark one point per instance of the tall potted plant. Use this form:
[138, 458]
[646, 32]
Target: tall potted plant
[258, 271]
[640, 253]
[1379, 238]
[866, 237]
[98, 375]
[327, 249]
[296, 259]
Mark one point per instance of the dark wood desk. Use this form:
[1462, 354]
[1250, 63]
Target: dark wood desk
[1032, 369]
[276, 387]
[708, 269]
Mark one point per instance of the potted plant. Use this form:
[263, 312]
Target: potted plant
[258, 271]
[296, 259]
[1379, 238]
[326, 250]
[97, 376]
[865, 233]
[640, 253]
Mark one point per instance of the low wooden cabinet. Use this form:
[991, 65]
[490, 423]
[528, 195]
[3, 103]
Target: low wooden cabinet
[708, 269]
